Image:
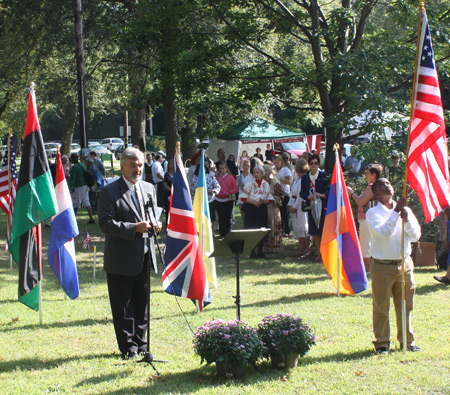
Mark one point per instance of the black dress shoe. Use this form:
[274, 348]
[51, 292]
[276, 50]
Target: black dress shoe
[382, 350]
[412, 348]
[443, 280]
[129, 356]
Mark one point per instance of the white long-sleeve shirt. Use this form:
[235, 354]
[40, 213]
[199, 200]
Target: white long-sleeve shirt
[385, 227]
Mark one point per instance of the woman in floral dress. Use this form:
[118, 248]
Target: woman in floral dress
[274, 242]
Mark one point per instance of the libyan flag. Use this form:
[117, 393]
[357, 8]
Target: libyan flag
[35, 202]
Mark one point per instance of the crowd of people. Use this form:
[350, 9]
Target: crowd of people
[287, 195]
[85, 177]
[272, 191]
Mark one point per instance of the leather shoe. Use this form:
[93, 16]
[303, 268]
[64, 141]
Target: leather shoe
[412, 348]
[130, 356]
[443, 280]
[382, 350]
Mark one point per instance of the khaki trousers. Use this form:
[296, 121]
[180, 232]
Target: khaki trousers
[387, 280]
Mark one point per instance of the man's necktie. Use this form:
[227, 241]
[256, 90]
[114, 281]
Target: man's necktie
[139, 199]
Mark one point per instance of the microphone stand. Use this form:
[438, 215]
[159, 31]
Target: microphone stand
[148, 356]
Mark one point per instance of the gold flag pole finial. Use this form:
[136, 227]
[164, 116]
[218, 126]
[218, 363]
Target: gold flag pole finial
[336, 147]
[177, 146]
[32, 85]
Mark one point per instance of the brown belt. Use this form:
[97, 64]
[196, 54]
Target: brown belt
[388, 261]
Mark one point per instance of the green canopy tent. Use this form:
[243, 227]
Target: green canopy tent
[251, 134]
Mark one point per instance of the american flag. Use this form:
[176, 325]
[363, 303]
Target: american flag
[86, 240]
[184, 272]
[8, 185]
[427, 166]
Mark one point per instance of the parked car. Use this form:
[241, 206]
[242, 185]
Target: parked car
[51, 149]
[294, 148]
[93, 144]
[118, 151]
[99, 149]
[75, 148]
[112, 143]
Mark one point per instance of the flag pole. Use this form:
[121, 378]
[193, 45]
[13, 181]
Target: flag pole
[95, 260]
[202, 163]
[338, 209]
[39, 246]
[413, 99]
[9, 194]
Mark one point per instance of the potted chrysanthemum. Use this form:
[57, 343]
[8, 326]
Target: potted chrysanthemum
[286, 338]
[231, 345]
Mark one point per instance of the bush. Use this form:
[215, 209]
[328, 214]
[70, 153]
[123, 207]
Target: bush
[230, 344]
[284, 334]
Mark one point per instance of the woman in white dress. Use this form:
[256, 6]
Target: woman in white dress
[299, 217]
[241, 180]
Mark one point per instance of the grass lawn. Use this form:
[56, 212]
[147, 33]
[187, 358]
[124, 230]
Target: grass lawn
[75, 350]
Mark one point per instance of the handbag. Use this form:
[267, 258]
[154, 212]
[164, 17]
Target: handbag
[306, 205]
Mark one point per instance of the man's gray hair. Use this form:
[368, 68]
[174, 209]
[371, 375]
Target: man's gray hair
[131, 153]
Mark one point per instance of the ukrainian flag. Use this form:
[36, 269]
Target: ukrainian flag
[340, 247]
[203, 222]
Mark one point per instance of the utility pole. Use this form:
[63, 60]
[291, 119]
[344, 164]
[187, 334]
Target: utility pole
[81, 73]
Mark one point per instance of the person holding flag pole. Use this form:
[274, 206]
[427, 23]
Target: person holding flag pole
[427, 152]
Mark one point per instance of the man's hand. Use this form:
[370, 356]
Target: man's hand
[404, 215]
[143, 226]
[401, 203]
[157, 227]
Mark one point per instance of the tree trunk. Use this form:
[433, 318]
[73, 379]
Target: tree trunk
[170, 119]
[188, 145]
[69, 122]
[333, 137]
[138, 128]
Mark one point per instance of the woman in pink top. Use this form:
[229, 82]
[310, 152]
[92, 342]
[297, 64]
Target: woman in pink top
[225, 198]
[365, 201]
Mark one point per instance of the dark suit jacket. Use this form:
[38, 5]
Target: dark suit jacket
[117, 217]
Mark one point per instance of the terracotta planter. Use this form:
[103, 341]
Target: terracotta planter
[233, 372]
[287, 362]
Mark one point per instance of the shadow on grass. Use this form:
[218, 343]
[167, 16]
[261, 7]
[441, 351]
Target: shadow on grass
[205, 376]
[39, 364]
[12, 326]
[427, 289]
[289, 281]
[282, 300]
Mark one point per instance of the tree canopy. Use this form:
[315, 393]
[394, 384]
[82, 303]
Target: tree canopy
[209, 64]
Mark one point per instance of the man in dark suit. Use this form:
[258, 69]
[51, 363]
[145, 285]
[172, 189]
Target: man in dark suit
[125, 219]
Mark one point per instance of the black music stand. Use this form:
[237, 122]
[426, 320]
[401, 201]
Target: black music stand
[237, 242]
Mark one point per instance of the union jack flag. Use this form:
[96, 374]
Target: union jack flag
[427, 166]
[8, 185]
[184, 272]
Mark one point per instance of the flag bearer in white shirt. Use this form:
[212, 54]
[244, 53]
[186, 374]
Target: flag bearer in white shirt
[385, 225]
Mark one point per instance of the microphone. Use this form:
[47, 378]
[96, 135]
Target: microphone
[150, 200]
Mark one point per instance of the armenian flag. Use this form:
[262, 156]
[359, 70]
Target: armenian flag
[340, 247]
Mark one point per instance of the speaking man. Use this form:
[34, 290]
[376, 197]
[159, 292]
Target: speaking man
[125, 218]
